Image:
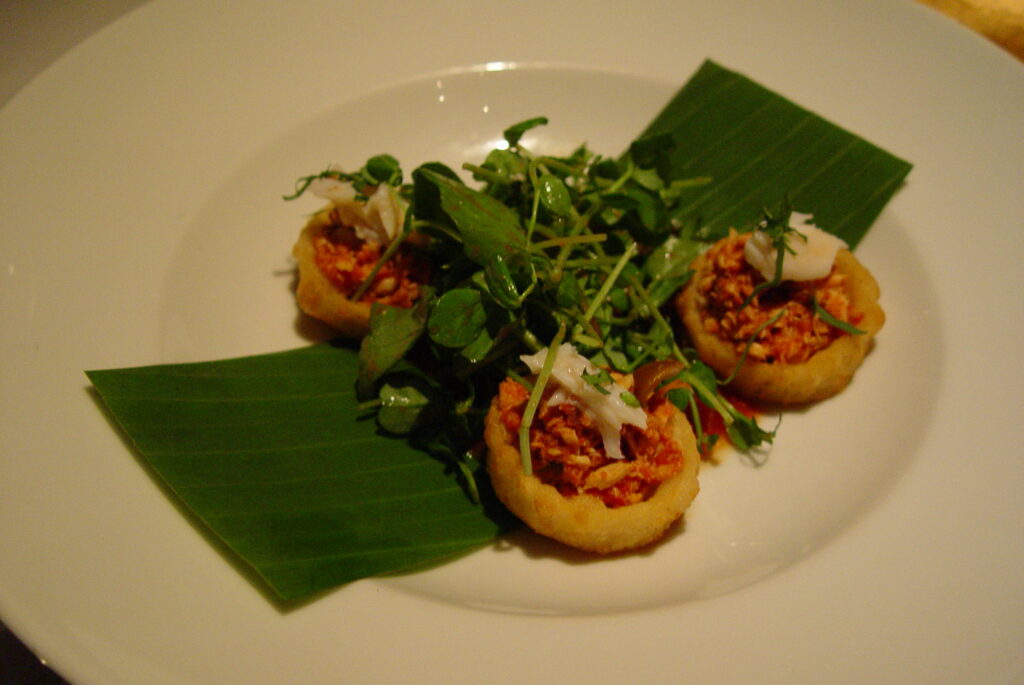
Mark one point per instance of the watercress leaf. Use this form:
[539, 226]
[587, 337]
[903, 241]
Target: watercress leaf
[393, 331]
[401, 407]
[662, 290]
[649, 179]
[745, 434]
[457, 318]
[667, 266]
[645, 218]
[680, 397]
[477, 350]
[701, 378]
[568, 292]
[506, 164]
[554, 195]
[487, 226]
[619, 299]
[651, 151]
[513, 133]
[509, 279]
[650, 210]
[671, 258]
[384, 169]
[607, 169]
[426, 198]
[620, 200]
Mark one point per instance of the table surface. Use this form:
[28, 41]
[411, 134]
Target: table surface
[39, 33]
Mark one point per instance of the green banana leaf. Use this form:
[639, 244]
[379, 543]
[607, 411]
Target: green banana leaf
[271, 454]
[757, 146]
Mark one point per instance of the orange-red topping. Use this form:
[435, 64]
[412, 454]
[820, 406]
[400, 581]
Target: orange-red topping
[347, 261]
[797, 334]
[568, 453]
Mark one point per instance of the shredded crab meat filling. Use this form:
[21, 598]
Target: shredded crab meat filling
[347, 261]
[568, 453]
[798, 333]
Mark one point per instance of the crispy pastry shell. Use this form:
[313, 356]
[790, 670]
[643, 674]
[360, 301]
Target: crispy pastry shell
[827, 371]
[315, 293]
[584, 521]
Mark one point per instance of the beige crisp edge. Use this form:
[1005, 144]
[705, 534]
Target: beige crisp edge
[823, 375]
[584, 521]
[316, 295]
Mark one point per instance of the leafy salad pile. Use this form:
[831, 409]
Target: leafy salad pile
[580, 248]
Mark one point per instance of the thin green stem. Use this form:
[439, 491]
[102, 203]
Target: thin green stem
[534, 402]
[569, 240]
[388, 253]
[609, 283]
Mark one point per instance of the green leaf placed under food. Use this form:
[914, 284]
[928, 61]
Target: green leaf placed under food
[271, 454]
[757, 146]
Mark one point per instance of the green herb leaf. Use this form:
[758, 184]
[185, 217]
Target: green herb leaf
[515, 132]
[426, 203]
[457, 318]
[629, 399]
[486, 225]
[667, 266]
[506, 164]
[401, 407]
[554, 195]
[383, 169]
[568, 291]
[680, 397]
[393, 331]
[509, 278]
[600, 380]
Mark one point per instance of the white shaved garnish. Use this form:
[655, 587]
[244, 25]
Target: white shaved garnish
[377, 220]
[609, 411]
[813, 257]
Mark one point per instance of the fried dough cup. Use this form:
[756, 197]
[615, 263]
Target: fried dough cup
[583, 521]
[824, 374]
[319, 297]
[316, 295]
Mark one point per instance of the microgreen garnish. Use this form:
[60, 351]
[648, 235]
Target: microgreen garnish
[378, 169]
[833, 321]
[629, 399]
[599, 380]
[534, 402]
[775, 224]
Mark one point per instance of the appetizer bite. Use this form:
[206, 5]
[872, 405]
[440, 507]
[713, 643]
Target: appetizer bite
[347, 257]
[787, 313]
[606, 472]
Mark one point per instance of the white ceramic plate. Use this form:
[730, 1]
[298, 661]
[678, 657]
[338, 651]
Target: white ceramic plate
[141, 223]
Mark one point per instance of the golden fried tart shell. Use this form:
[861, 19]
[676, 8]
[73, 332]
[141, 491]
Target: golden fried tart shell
[824, 374]
[315, 293]
[583, 521]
